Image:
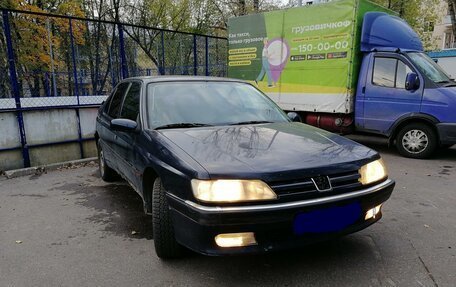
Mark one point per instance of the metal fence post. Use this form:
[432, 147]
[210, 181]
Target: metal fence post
[73, 54]
[51, 54]
[195, 57]
[76, 90]
[15, 88]
[163, 69]
[123, 58]
[207, 56]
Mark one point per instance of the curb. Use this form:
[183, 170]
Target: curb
[45, 168]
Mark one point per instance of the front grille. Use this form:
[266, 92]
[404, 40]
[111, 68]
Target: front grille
[304, 188]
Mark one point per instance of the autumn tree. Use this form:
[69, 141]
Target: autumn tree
[33, 37]
[419, 14]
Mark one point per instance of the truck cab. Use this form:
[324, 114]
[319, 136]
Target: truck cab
[402, 93]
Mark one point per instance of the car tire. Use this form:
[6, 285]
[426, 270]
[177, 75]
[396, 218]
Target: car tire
[106, 173]
[416, 140]
[165, 242]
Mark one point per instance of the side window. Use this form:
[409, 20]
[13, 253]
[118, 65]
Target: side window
[384, 72]
[130, 107]
[401, 75]
[389, 72]
[116, 101]
[108, 101]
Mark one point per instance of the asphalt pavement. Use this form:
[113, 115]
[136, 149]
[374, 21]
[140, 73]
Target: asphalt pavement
[69, 228]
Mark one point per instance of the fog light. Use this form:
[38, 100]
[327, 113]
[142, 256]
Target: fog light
[371, 213]
[235, 239]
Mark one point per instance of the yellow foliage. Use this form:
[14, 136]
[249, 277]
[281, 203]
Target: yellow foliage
[31, 35]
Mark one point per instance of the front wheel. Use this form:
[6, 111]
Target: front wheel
[416, 140]
[165, 242]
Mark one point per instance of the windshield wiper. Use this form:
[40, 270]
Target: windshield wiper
[250, 122]
[182, 125]
[443, 82]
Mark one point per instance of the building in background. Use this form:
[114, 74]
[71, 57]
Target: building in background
[443, 34]
[445, 41]
[446, 59]
[309, 2]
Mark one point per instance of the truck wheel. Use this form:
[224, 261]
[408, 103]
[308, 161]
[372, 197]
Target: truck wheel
[416, 140]
[165, 242]
[106, 173]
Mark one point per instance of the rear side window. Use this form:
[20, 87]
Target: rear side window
[384, 72]
[390, 73]
[130, 107]
[116, 101]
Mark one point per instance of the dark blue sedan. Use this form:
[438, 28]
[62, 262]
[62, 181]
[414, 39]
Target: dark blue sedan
[223, 170]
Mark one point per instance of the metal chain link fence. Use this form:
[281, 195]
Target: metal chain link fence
[49, 61]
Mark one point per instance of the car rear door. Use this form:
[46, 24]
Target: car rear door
[107, 136]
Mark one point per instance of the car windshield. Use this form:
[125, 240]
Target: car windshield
[193, 104]
[427, 66]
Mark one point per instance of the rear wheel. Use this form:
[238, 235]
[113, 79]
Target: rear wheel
[416, 140]
[165, 242]
[106, 173]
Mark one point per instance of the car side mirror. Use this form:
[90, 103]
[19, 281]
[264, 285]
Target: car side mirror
[294, 117]
[412, 82]
[123, 125]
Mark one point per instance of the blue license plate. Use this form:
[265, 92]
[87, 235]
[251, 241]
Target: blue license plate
[326, 220]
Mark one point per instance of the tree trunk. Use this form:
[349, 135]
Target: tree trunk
[256, 5]
[241, 7]
[4, 79]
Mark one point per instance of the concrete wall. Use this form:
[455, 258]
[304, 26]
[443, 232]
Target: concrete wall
[45, 127]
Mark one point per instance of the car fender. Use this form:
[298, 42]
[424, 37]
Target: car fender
[408, 118]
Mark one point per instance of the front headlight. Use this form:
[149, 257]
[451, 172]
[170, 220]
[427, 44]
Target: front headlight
[372, 172]
[228, 190]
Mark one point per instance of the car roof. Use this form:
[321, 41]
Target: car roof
[178, 78]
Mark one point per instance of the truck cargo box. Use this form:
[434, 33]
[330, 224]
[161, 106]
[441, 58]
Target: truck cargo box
[305, 58]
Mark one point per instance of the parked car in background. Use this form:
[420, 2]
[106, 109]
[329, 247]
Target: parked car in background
[223, 170]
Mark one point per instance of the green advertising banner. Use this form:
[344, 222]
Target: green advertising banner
[304, 58]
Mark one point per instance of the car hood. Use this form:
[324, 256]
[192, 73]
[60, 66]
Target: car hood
[249, 150]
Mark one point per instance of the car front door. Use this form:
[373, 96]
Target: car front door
[127, 141]
[386, 98]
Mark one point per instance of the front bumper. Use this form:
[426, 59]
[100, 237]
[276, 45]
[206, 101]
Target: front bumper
[447, 133]
[196, 226]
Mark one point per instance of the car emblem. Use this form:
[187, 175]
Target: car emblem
[322, 183]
